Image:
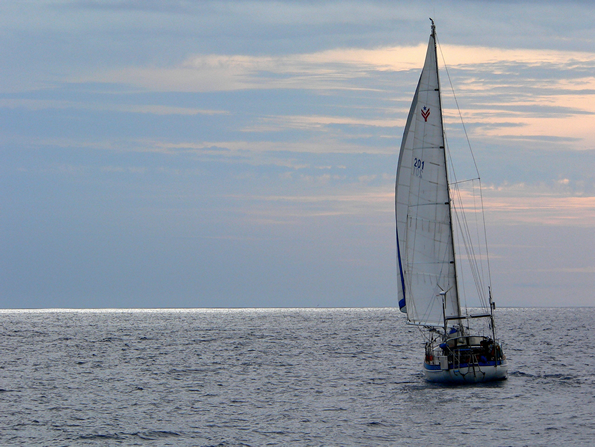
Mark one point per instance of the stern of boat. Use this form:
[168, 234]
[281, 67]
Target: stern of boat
[464, 359]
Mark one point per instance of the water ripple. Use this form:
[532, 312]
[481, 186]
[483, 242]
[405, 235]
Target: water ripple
[281, 377]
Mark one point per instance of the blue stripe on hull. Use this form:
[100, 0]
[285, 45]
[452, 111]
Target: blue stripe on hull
[463, 365]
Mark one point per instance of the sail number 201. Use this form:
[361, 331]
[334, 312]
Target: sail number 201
[418, 167]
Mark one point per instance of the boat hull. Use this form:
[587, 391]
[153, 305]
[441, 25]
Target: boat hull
[476, 373]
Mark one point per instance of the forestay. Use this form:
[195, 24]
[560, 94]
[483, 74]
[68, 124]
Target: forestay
[425, 252]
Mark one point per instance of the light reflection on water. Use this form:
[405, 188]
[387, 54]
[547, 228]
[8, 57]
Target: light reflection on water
[279, 376]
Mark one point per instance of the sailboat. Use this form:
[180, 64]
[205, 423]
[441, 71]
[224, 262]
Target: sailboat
[428, 289]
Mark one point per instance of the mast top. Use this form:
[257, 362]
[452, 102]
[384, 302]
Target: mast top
[433, 27]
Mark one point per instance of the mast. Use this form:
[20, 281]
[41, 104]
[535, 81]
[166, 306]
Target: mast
[452, 239]
[423, 211]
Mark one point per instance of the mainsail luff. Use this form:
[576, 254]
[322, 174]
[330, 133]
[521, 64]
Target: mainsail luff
[425, 247]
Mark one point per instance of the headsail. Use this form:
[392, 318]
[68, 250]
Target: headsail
[425, 251]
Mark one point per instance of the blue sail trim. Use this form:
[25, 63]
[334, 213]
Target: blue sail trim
[402, 302]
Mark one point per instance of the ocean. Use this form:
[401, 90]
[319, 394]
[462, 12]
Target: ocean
[304, 377]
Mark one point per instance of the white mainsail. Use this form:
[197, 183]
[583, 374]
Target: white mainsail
[425, 251]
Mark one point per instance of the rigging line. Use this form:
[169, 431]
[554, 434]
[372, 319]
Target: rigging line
[469, 246]
[458, 108]
[465, 233]
[472, 156]
[481, 264]
[485, 235]
[462, 290]
[477, 264]
[464, 181]
[474, 263]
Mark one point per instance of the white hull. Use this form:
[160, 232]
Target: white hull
[467, 374]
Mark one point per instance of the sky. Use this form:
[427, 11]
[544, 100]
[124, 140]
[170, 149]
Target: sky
[243, 153]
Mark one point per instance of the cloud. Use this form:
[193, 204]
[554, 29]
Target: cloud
[314, 146]
[154, 109]
[157, 6]
[334, 68]
[548, 100]
[523, 203]
[296, 209]
[527, 206]
[317, 122]
[211, 73]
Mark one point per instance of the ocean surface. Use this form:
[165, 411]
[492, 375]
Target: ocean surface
[257, 377]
